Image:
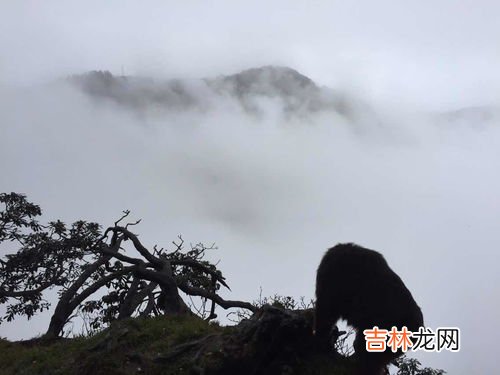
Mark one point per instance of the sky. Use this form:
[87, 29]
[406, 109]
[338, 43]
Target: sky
[274, 194]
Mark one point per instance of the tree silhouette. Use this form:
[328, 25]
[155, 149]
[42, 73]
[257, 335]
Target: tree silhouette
[80, 260]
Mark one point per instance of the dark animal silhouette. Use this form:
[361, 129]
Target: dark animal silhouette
[357, 284]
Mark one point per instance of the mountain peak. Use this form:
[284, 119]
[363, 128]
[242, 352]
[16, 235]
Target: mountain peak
[274, 72]
[266, 79]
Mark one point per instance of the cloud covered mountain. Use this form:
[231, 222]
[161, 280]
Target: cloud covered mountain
[254, 90]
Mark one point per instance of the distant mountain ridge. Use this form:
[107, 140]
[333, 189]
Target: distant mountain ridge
[296, 94]
[476, 116]
[293, 93]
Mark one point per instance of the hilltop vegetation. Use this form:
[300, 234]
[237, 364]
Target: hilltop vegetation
[276, 342]
[139, 321]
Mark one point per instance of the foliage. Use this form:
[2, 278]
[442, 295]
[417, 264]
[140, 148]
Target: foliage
[412, 366]
[47, 256]
[276, 300]
[179, 345]
[126, 347]
[79, 260]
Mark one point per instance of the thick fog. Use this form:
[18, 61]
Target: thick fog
[401, 155]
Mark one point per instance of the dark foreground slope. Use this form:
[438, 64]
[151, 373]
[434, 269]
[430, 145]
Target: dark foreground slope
[273, 341]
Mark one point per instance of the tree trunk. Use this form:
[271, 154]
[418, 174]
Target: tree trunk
[134, 298]
[169, 301]
[59, 318]
[70, 300]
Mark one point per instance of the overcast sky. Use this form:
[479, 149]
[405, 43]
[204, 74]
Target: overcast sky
[429, 52]
[274, 194]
